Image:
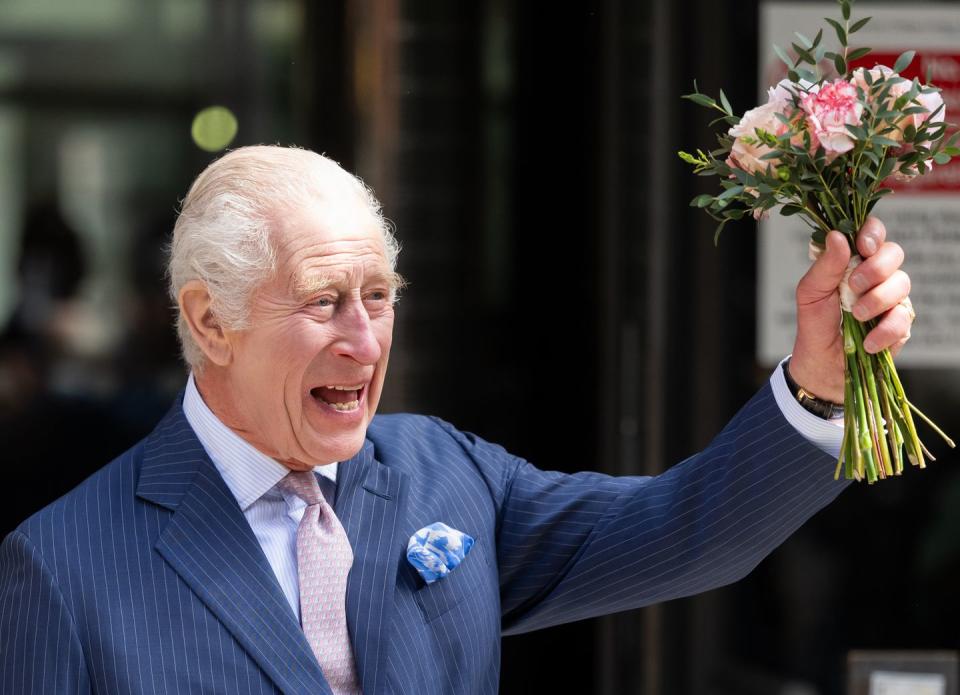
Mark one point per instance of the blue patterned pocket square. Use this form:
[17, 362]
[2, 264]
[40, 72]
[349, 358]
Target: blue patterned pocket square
[435, 550]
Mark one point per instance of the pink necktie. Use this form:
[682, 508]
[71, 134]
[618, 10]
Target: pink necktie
[324, 558]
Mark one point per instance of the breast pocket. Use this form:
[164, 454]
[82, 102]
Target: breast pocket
[471, 578]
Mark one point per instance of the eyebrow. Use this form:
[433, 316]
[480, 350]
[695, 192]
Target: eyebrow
[305, 287]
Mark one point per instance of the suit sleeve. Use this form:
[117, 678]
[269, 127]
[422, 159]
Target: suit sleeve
[39, 648]
[577, 546]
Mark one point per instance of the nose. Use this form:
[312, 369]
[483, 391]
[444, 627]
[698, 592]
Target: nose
[357, 339]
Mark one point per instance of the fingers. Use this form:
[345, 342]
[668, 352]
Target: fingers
[898, 346]
[892, 331]
[883, 297]
[877, 268]
[825, 274]
[871, 237]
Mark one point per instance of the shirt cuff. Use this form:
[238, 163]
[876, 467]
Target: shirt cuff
[827, 435]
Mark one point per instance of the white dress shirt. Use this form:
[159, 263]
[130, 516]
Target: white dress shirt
[824, 434]
[274, 516]
[252, 478]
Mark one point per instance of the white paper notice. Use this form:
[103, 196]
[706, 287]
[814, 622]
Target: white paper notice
[924, 216]
[894, 683]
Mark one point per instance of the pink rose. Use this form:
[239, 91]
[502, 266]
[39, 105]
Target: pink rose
[829, 112]
[787, 91]
[900, 87]
[747, 149]
[931, 101]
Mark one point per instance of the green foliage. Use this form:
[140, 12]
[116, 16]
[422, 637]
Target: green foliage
[903, 61]
[789, 171]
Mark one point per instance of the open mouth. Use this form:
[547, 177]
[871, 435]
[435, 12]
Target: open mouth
[341, 398]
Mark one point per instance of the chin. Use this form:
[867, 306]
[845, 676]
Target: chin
[338, 448]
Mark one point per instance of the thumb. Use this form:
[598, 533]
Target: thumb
[824, 276]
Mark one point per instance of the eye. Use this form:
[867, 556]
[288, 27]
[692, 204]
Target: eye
[377, 301]
[324, 302]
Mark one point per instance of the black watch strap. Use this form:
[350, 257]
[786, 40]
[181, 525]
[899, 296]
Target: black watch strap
[819, 407]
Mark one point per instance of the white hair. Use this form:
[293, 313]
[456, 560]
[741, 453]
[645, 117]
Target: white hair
[222, 236]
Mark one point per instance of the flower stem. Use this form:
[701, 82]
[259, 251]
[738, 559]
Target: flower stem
[878, 418]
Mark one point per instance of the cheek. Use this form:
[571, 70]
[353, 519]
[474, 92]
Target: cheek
[383, 329]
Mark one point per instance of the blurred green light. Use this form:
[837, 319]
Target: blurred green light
[214, 128]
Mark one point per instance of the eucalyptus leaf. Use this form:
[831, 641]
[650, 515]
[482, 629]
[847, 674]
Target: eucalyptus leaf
[782, 55]
[883, 141]
[903, 61]
[857, 132]
[858, 53]
[716, 234]
[729, 193]
[941, 158]
[701, 201]
[725, 102]
[838, 28]
[859, 24]
[840, 64]
[886, 168]
[807, 43]
[701, 99]
[804, 55]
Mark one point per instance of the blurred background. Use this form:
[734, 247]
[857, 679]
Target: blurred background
[559, 282]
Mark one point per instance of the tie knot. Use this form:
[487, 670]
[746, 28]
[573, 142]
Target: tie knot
[304, 485]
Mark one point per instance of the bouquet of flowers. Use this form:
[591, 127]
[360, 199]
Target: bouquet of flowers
[823, 148]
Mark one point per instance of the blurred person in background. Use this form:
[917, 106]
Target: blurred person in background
[44, 401]
[267, 535]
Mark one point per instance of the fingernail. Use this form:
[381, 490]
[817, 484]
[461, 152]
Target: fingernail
[870, 244]
[858, 283]
[860, 313]
[869, 345]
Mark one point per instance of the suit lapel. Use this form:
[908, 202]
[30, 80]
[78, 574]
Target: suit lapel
[209, 543]
[370, 503]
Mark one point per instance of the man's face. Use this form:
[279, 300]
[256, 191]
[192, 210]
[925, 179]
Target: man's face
[306, 377]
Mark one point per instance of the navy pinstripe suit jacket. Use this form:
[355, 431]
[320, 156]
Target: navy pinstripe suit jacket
[147, 578]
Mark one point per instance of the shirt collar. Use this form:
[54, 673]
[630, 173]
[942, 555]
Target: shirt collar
[249, 473]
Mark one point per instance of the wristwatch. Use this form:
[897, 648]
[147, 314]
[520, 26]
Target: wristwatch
[828, 410]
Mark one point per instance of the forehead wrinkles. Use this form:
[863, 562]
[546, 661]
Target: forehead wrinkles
[348, 269]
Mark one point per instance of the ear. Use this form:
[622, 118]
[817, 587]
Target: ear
[196, 307]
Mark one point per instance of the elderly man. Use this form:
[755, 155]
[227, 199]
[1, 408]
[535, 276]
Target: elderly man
[257, 540]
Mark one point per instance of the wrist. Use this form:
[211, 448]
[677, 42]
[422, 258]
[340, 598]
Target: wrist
[812, 402]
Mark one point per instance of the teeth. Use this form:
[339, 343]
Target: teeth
[343, 407]
[345, 388]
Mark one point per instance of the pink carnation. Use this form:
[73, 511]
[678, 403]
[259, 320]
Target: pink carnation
[829, 112]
